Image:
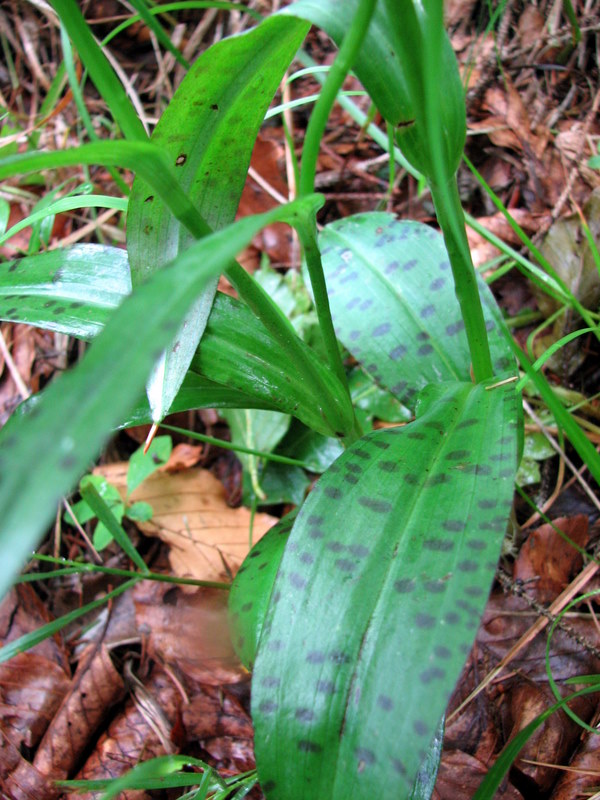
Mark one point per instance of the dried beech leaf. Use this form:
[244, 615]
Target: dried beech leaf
[207, 539]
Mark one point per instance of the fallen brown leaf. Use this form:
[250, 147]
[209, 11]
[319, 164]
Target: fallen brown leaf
[207, 539]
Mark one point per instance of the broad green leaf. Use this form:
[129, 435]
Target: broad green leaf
[71, 291]
[43, 453]
[394, 307]
[207, 132]
[378, 598]
[240, 364]
[251, 591]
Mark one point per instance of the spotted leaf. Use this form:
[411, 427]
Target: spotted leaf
[208, 131]
[240, 364]
[378, 598]
[393, 304]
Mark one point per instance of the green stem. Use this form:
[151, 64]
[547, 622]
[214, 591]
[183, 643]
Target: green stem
[451, 219]
[307, 231]
[333, 83]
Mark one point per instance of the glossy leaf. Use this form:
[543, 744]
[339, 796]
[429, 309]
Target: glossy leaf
[394, 307]
[207, 132]
[378, 598]
[391, 68]
[240, 364]
[251, 591]
[43, 453]
[72, 291]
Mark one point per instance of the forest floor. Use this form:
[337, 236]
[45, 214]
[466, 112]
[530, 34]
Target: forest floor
[153, 672]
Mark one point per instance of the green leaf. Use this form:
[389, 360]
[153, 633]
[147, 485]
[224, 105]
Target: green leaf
[71, 291]
[393, 304]
[43, 453]
[240, 364]
[142, 465]
[257, 430]
[207, 132]
[378, 598]
[251, 590]
[392, 67]
[140, 512]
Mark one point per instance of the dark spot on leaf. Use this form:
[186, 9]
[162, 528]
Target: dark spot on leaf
[423, 336]
[59, 310]
[366, 304]
[416, 435]
[435, 587]
[247, 606]
[467, 423]
[275, 645]
[353, 303]
[367, 757]
[397, 352]
[69, 461]
[270, 682]
[354, 335]
[267, 707]
[452, 618]
[339, 657]
[47, 304]
[255, 553]
[423, 620]
[467, 566]
[388, 466]
[398, 388]
[476, 544]
[385, 703]
[444, 265]
[359, 550]
[304, 715]
[477, 469]
[421, 728]
[425, 350]
[473, 591]
[391, 267]
[378, 506]
[75, 305]
[149, 199]
[361, 454]
[268, 786]
[297, 581]
[333, 492]
[180, 160]
[382, 329]
[427, 312]
[455, 328]
[438, 545]
[335, 547]
[307, 558]
[408, 265]
[349, 277]
[381, 445]
[437, 284]
[214, 107]
[315, 657]
[458, 455]
[352, 467]
[441, 651]
[326, 687]
[309, 747]
[453, 525]
[316, 533]
[435, 425]
[344, 564]
[352, 479]
[404, 585]
[437, 480]
[412, 480]
[432, 674]
[398, 766]
[315, 520]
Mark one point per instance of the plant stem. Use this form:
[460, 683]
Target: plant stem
[451, 219]
[333, 83]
